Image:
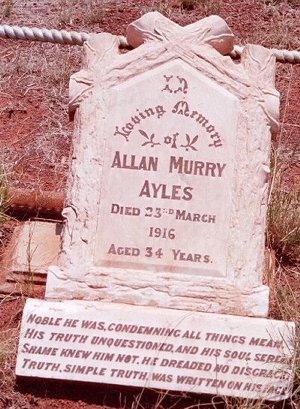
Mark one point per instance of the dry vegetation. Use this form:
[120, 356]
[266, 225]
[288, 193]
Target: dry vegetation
[33, 109]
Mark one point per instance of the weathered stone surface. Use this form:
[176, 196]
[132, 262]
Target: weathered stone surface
[34, 246]
[157, 348]
[168, 190]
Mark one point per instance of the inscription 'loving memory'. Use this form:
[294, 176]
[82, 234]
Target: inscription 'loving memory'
[180, 108]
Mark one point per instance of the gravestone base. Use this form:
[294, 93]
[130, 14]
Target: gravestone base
[161, 289]
[156, 348]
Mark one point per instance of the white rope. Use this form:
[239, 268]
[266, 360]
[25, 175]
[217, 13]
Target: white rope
[292, 57]
[42, 34]
[75, 38]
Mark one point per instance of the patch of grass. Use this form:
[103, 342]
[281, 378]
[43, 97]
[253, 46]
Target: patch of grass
[88, 11]
[162, 6]
[66, 12]
[41, 72]
[6, 8]
[39, 65]
[239, 403]
[283, 241]
[276, 2]
[8, 347]
[9, 334]
[283, 232]
[209, 7]
[282, 18]
[3, 196]
[166, 7]
[283, 35]
[96, 11]
[285, 306]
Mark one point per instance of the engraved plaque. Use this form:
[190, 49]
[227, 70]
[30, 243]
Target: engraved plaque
[166, 188]
[157, 348]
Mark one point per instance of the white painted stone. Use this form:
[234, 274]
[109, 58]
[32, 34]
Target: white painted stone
[140, 229]
[157, 348]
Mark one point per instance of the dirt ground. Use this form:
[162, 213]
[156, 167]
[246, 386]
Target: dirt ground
[36, 135]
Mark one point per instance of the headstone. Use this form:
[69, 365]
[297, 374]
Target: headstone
[165, 220]
[167, 203]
